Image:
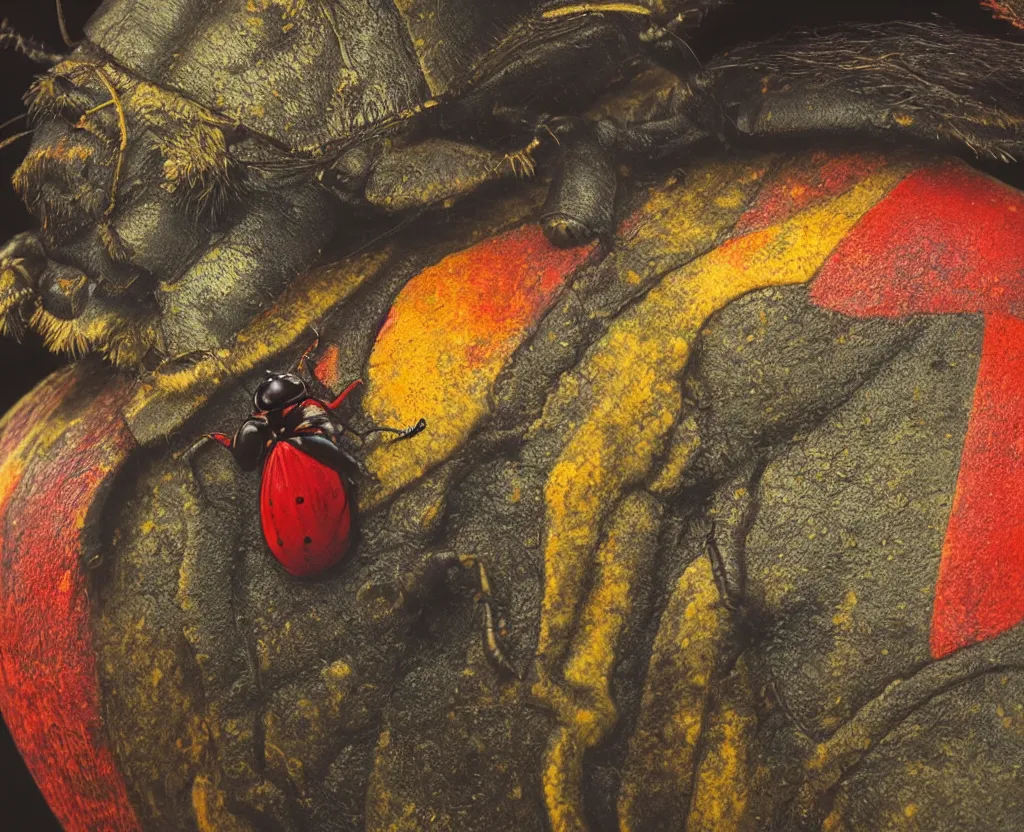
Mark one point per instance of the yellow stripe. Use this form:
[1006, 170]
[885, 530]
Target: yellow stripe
[722, 783]
[584, 8]
[625, 556]
[660, 761]
[623, 419]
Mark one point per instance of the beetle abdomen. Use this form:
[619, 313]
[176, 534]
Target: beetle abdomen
[304, 511]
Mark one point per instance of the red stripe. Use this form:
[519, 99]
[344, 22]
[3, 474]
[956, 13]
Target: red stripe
[951, 240]
[48, 684]
[946, 239]
[980, 591]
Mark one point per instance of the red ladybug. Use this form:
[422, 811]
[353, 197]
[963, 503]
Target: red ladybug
[306, 485]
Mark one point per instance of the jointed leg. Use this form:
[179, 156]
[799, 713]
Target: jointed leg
[653, 116]
[300, 365]
[401, 433]
[923, 82]
[581, 202]
[334, 405]
[419, 586]
[219, 438]
[248, 446]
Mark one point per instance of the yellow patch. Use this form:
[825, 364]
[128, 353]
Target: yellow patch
[843, 619]
[208, 806]
[449, 333]
[621, 421]
[660, 763]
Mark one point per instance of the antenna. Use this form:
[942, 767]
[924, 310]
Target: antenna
[63, 26]
[10, 38]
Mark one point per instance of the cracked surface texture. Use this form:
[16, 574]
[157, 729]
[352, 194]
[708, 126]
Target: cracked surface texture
[592, 415]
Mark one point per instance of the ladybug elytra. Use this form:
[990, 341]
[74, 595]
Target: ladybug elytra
[308, 473]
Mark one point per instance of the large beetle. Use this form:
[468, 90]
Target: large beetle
[189, 158]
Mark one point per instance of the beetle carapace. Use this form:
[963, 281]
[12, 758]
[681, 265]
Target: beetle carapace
[239, 127]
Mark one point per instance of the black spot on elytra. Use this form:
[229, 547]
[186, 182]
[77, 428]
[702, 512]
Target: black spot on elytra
[300, 500]
[308, 540]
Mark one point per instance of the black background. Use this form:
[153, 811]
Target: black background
[24, 365]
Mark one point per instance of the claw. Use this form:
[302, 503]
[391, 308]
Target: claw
[21, 262]
[521, 161]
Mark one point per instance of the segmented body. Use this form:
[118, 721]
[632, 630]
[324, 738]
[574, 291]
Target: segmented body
[189, 158]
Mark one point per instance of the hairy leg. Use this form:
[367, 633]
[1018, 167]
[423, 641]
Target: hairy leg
[921, 82]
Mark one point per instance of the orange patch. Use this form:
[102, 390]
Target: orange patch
[449, 333]
[326, 369]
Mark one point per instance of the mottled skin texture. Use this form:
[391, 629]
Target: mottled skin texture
[588, 419]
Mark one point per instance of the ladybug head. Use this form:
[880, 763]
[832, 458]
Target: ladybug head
[278, 391]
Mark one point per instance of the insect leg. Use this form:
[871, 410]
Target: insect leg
[219, 438]
[248, 446]
[924, 82]
[431, 172]
[420, 585]
[11, 39]
[307, 353]
[581, 203]
[22, 261]
[495, 625]
[401, 433]
[654, 115]
[334, 405]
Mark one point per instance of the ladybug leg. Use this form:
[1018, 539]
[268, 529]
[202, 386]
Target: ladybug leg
[334, 405]
[219, 438]
[248, 446]
[307, 353]
[401, 433]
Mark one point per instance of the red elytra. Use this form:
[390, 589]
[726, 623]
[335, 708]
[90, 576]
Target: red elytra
[304, 511]
[305, 506]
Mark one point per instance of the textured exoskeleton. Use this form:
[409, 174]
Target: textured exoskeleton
[189, 158]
